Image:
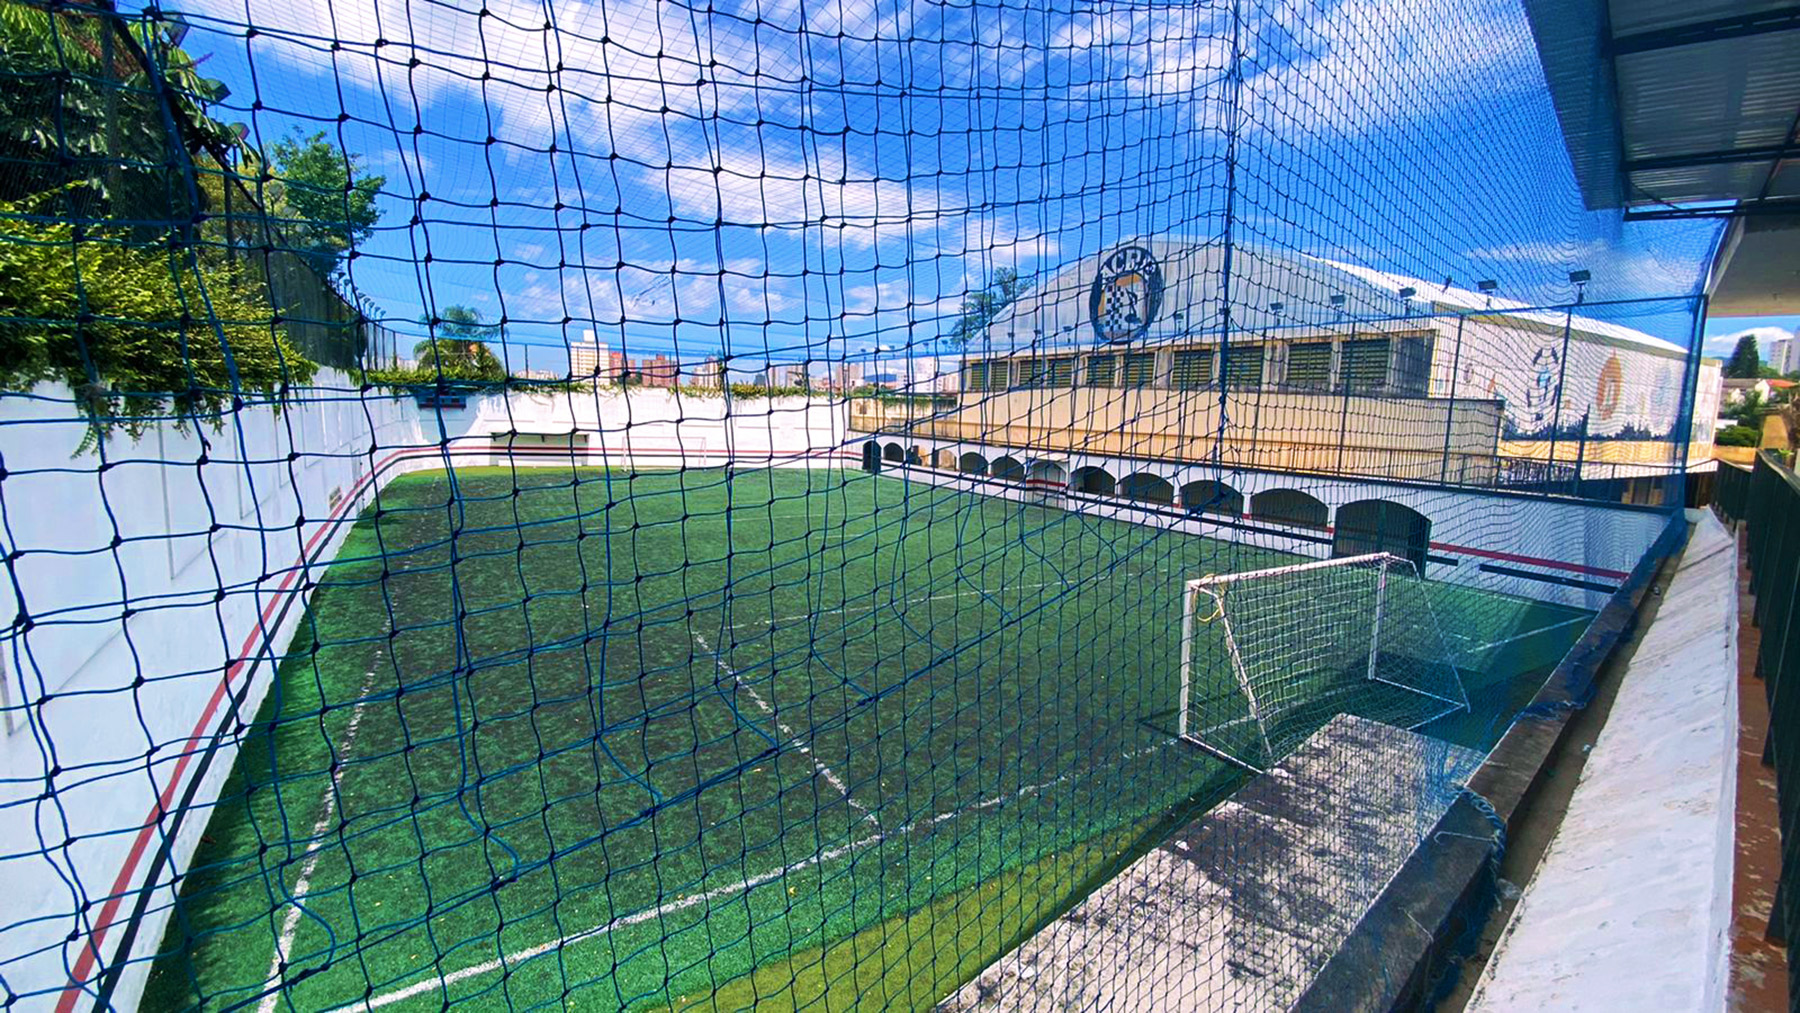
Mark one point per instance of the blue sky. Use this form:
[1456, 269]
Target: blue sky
[811, 179]
[1722, 333]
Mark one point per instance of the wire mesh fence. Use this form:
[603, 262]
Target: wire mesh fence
[623, 504]
[1761, 502]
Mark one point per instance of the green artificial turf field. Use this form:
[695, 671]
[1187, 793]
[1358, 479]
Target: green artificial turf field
[594, 740]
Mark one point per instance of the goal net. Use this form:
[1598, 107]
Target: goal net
[1268, 656]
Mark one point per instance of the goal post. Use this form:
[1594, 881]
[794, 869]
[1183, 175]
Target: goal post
[1267, 656]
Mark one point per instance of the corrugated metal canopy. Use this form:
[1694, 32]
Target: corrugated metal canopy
[1688, 108]
[1675, 102]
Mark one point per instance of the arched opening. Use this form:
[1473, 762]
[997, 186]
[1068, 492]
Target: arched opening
[1049, 473]
[1008, 469]
[1147, 488]
[894, 452]
[973, 464]
[1290, 506]
[914, 456]
[1378, 525]
[871, 456]
[946, 460]
[1093, 481]
[1209, 497]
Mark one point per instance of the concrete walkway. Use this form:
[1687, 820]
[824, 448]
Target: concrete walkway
[1631, 907]
[1242, 908]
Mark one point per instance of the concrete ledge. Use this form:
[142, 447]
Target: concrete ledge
[1242, 908]
[1631, 906]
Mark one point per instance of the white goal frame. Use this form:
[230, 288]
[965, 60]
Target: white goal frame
[1210, 590]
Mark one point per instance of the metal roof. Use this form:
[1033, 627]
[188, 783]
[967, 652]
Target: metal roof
[1670, 102]
[1312, 294]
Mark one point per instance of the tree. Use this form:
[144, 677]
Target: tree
[80, 107]
[459, 350]
[1751, 409]
[328, 199]
[1745, 362]
[982, 307]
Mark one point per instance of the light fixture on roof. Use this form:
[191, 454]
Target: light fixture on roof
[1408, 292]
[1277, 307]
[1579, 279]
[1488, 285]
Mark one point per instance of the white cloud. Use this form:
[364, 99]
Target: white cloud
[824, 189]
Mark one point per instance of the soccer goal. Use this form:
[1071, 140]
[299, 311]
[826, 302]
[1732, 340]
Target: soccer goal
[1270, 655]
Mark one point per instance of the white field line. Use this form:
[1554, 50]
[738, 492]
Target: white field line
[1520, 636]
[742, 886]
[290, 926]
[904, 601]
[793, 736]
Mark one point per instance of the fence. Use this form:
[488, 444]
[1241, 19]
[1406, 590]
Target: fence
[329, 690]
[1765, 502]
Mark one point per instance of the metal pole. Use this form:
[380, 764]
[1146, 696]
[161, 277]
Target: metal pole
[1450, 413]
[1562, 374]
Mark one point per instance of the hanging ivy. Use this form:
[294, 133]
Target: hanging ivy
[141, 330]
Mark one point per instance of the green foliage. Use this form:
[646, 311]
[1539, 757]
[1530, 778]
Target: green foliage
[136, 328]
[983, 307]
[459, 349]
[1738, 436]
[328, 199]
[1751, 409]
[425, 380]
[1745, 362]
[756, 391]
[78, 106]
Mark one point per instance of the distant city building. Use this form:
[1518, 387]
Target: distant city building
[1784, 355]
[711, 373]
[848, 377]
[657, 371]
[586, 358]
[785, 374]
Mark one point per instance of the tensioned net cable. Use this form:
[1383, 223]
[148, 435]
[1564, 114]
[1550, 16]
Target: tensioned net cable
[617, 504]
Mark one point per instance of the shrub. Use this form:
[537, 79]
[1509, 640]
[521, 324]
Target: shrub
[139, 329]
[1737, 436]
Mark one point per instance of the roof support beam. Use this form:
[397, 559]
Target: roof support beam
[1744, 209]
[1728, 157]
[1780, 19]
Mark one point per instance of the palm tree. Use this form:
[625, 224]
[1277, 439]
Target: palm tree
[459, 350]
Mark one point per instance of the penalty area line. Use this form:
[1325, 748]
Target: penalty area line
[1528, 634]
[442, 981]
[793, 736]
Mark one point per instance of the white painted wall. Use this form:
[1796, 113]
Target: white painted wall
[201, 534]
[1537, 534]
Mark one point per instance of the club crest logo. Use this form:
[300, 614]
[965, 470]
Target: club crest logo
[1127, 294]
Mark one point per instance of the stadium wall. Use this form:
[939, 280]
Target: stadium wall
[1548, 548]
[166, 576]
